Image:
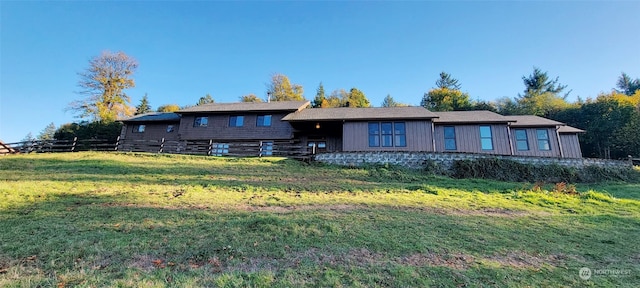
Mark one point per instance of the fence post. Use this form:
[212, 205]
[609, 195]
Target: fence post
[73, 146]
[210, 150]
[117, 144]
[161, 145]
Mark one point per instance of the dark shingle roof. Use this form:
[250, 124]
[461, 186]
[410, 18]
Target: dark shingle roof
[532, 121]
[344, 113]
[459, 117]
[569, 129]
[247, 107]
[154, 117]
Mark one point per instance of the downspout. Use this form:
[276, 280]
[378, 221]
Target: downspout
[559, 143]
[510, 141]
[433, 136]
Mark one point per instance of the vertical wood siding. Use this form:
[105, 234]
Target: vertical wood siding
[218, 128]
[152, 131]
[570, 145]
[468, 139]
[532, 138]
[355, 137]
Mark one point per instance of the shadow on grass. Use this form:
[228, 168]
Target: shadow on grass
[112, 243]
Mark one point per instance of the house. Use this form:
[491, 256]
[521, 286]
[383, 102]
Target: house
[364, 129]
[482, 132]
[325, 130]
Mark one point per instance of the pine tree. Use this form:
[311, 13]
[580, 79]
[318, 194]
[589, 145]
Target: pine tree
[48, 132]
[320, 97]
[389, 102]
[144, 106]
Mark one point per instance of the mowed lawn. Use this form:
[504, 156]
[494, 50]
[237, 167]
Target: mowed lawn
[119, 219]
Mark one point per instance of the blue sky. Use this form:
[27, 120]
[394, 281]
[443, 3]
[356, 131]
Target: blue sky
[229, 49]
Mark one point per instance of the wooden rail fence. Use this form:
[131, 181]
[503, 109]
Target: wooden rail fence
[196, 147]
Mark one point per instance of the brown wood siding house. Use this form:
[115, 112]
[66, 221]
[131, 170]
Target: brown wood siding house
[569, 141]
[239, 121]
[472, 132]
[537, 136]
[369, 129]
[151, 126]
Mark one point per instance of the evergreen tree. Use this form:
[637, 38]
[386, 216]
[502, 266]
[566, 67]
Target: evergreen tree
[144, 106]
[48, 132]
[627, 85]
[389, 102]
[320, 98]
[446, 81]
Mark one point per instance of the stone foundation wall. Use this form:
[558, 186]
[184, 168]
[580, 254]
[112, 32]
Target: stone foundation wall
[417, 160]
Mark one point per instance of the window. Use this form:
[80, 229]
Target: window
[374, 134]
[522, 143]
[263, 121]
[139, 128]
[219, 149]
[450, 138]
[486, 141]
[236, 121]
[543, 139]
[170, 128]
[320, 145]
[266, 149]
[387, 134]
[201, 122]
[400, 134]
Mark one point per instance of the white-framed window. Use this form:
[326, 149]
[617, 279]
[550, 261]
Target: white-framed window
[267, 148]
[236, 121]
[486, 139]
[139, 128]
[201, 122]
[170, 128]
[263, 121]
[543, 139]
[450, 138]
[219, 149]
[522, 142]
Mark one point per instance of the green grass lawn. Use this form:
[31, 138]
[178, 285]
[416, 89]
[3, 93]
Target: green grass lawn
[112, 219]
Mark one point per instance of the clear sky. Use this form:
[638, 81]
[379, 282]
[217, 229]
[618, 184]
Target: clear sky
[229, 49]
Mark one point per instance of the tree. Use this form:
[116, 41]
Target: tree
[390, 102]
[48, 132]
[103, 84]
[169, 108]
[89, 130]
[207, 99]
[338, 98]
[144, 106]
[445, 99]
[446, 96]
[446, 81]
[320, 100]
[539, 83]
[626, 85]
[250, 98]
[281, 89]
[357, 99]
[541, 95]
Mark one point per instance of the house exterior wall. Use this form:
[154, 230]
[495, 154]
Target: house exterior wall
[534, 149]
[355, 137]
[468, 139]
[152, 131]
[218, 127]
[570, 145]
